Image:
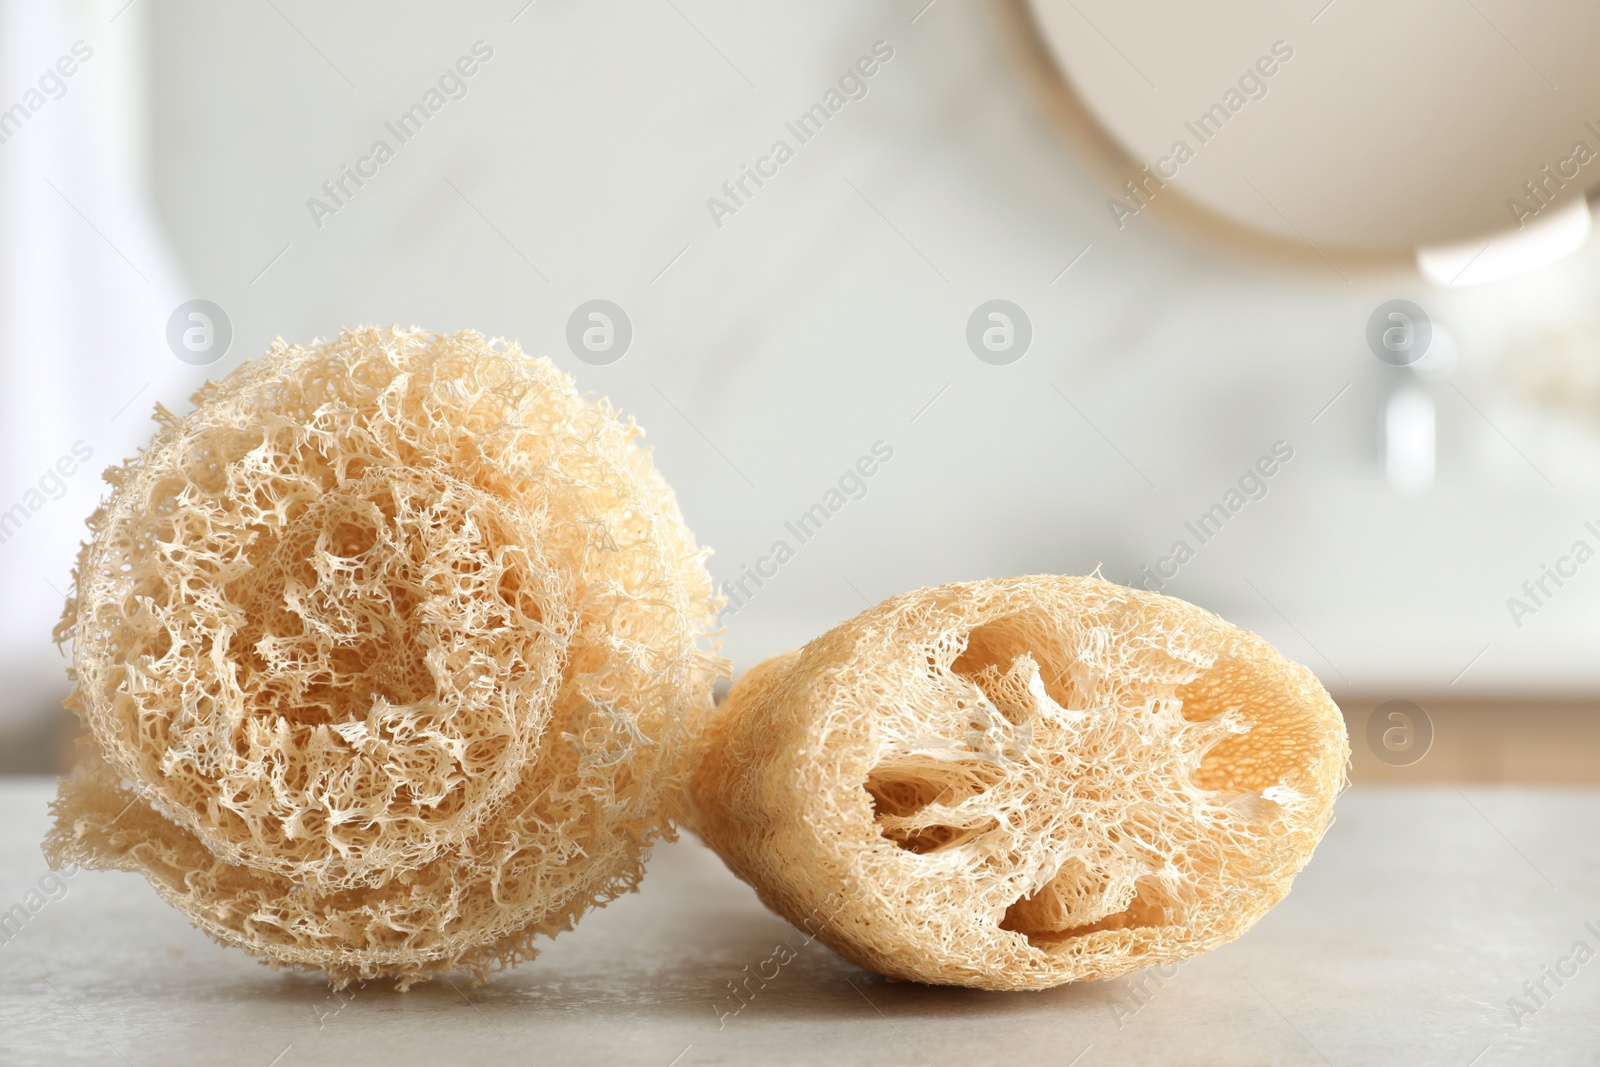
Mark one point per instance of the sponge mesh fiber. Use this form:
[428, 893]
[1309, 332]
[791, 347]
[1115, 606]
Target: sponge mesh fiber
[1015, 783]
[387, 653]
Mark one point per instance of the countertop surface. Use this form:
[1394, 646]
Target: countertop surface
[1422, 914]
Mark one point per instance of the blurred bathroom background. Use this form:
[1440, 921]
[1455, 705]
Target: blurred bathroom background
[771, 317]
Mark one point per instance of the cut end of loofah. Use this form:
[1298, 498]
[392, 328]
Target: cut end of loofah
[388, 653]
[1016, 783]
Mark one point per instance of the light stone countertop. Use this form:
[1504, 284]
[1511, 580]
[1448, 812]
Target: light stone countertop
[1421, 914]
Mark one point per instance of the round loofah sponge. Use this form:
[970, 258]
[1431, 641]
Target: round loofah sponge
[388, 653]
[1016, 783]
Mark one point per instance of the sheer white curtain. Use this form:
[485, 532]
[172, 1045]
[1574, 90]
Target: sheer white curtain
[86, 287]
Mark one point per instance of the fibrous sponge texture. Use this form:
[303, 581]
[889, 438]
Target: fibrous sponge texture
[1015, 783]
[388, 653]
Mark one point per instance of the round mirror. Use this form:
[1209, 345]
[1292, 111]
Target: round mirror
[1468, 131]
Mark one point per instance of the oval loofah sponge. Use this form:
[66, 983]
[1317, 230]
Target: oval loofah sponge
[1016, 783]
[389, 652]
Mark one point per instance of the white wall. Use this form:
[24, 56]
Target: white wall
[823, 316]
[86, 285]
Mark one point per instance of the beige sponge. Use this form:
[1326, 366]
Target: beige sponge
[388, 653]
[1016, 783]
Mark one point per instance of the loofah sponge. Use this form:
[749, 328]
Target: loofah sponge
[1016, 783]
[388, 653]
